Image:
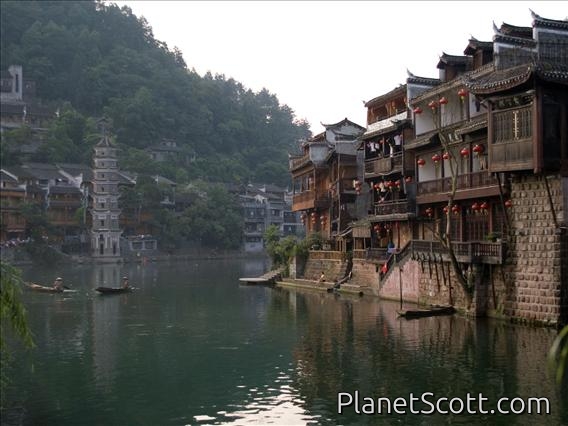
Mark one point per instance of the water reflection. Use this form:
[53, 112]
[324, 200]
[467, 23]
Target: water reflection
[192, 346]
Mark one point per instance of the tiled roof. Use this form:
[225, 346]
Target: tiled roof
[105, 141]
[426, 81]
[7, 176]
[396, 125]
[453, 60]
[456, 82]
[515, 31]
[395, 93]
[539, 21]
[472, 125]
[42, 171]
[474, 45]
[500, 79]
[422, 140]
[64, 190]
[341, 123]
[554, 73]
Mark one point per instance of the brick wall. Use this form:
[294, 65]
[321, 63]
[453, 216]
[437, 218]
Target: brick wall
[536, 266]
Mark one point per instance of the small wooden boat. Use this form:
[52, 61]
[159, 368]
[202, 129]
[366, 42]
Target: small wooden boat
[428, 312]
[44, 289]
[113, 290]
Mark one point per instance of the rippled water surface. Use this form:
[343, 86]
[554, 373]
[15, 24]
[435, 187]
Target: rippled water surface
[192, 346]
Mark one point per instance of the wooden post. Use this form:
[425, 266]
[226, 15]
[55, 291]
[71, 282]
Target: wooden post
[399, 279]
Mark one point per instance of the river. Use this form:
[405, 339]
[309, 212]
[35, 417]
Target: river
[190, 345]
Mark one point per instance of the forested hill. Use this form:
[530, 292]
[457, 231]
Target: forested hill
[100, 59]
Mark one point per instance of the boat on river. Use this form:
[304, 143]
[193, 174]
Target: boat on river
[427, 312]
[46, 289]
[113, 290]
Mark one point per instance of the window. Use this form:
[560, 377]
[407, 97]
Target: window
[512, 125]
[102, 222]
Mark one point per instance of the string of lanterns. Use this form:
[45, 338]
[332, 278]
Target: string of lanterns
[433, 105]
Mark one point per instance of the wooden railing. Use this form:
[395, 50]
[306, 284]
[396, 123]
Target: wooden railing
[463, 182]
[326, 255]
[468, 251]
[384, 165]
[294, 163]
[514, 155]
[393, 207]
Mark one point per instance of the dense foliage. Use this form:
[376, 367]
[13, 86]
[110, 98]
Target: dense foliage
[13, 318]
[103, 60]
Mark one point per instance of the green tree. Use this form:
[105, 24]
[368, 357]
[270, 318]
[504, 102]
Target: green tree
[13, 319]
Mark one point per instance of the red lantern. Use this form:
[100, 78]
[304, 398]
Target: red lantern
[455, 209]
[433, 105]
[421, 162]
[408, 179]
[462, 93]
[443, 100]
[397, 183]
[509, 204]
[314, 214]
[417, 110]
[377, 186]
[446, 155]
[446, 209]
[377, 227]
[464, 152]
[484, 206]
[475, 207]
[436, 158]
[429, 212]
[478, 149]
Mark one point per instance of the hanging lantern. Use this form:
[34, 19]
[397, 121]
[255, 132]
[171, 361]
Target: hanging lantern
[446, 209]
[446, 155]
[475, 207]
[429, 212]
[455, 209]
[377, 227]
[436, 158]
[443, 100]
[421, 162]
[484, 206]
[397, 183]
[408, 179]
[478, 149]
[464, 152]
[417, 110]
[509, 204]
[462, 93]
[433, 105]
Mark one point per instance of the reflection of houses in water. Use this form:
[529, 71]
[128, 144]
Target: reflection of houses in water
[352, 344]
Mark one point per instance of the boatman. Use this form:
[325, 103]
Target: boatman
[124, 282]
[58, 284]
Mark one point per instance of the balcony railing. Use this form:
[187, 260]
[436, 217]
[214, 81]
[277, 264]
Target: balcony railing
[468, 251]
[393, 207]
[463, 182]
[515, 155]
[326, 255]
[299, 161]
[311, 199]
[377, 166]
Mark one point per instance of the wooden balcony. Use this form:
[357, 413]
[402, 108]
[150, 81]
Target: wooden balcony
[469, 185]
[382, 166]
[310, 200]
[514, 155]
[467, 252]
[298, 162]
[393, 207]
[326, 255]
